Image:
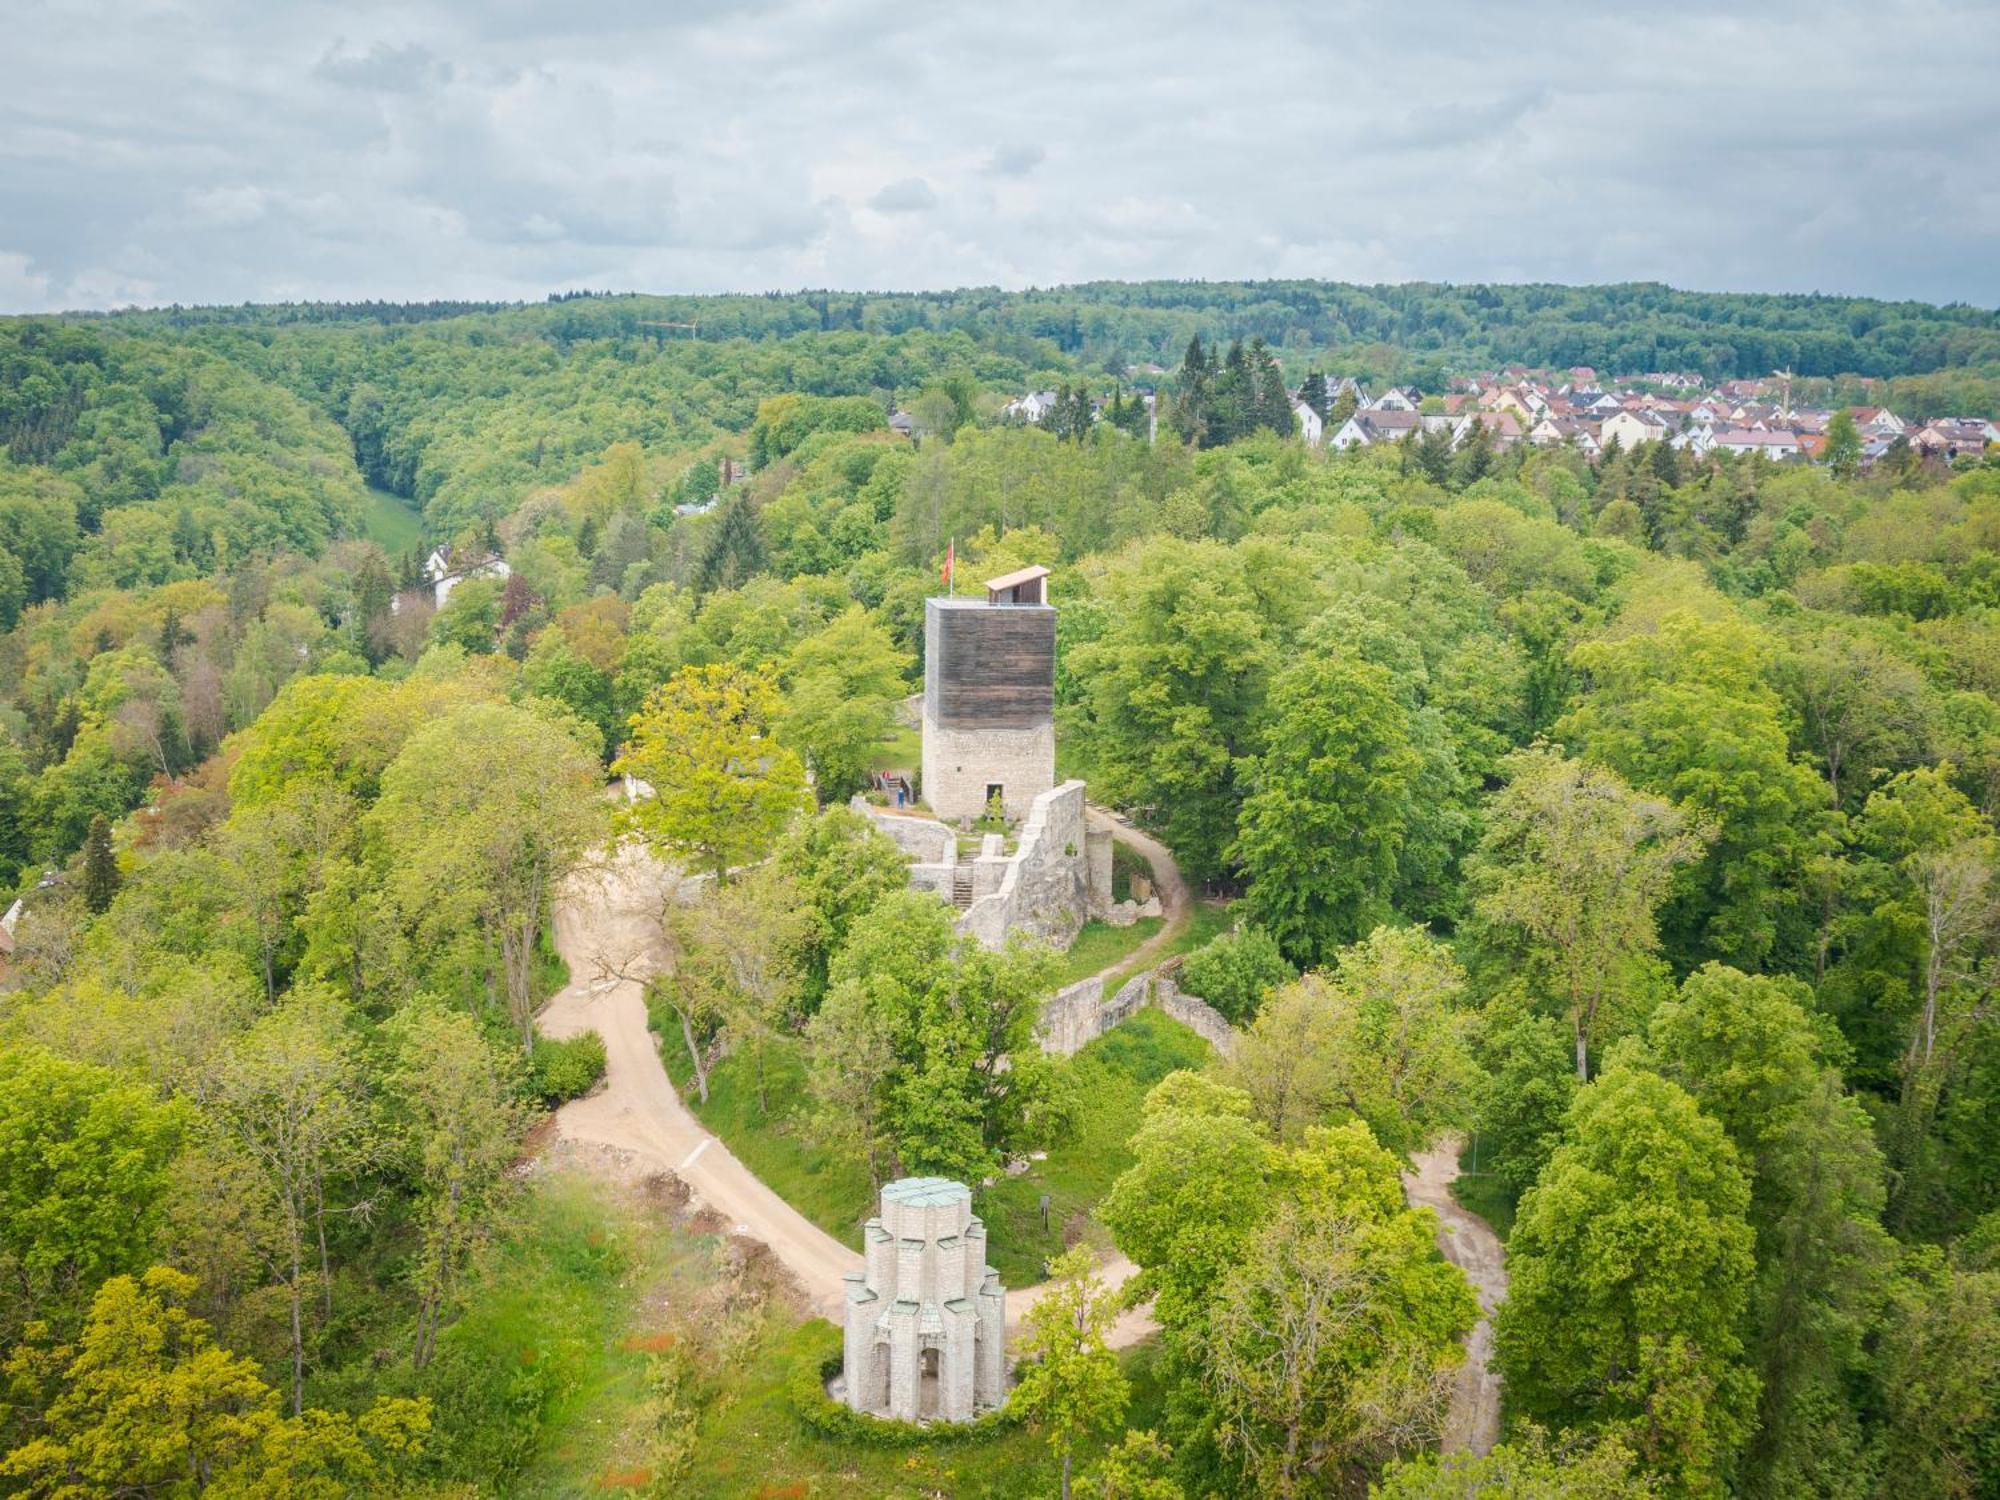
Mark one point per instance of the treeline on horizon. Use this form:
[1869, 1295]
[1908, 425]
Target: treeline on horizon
[1629, 327]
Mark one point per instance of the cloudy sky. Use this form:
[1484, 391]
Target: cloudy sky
[230, 150]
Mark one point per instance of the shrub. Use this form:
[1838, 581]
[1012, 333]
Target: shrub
[1236, 971]
[805, 1391]
[567, 1069]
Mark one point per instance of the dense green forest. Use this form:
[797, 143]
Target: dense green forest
[1636, 818]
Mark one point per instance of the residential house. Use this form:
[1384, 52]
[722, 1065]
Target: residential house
[1631, 428]
[1742, 440]
[1394, 399]
[1365, 429]
[1876, 421]
[1311, 427]
[450, 572]
[1030, 408]
[1505, 428]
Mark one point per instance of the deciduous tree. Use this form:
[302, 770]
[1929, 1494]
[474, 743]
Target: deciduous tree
[1571, 870]
[723, 788]
[1070, 1383]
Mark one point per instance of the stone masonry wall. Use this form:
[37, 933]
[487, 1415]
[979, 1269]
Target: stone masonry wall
[1045, 888]
[1079, 1013]
[959, 764]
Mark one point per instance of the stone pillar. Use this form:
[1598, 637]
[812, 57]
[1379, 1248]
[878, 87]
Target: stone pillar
[906, 1362]
[990, 1380]
[1097, 858]
[857, 1349]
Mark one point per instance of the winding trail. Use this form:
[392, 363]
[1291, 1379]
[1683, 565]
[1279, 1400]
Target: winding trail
[1167, 880]
[1469, 1243]
[607, 921]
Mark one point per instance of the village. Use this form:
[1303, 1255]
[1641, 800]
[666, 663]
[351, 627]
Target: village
[1577, 408]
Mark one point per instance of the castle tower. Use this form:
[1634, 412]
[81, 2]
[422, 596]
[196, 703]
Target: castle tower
[926, 1318]
[989, 698]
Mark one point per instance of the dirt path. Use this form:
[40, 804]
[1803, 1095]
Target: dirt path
[1470, 1244]
[606, 926]
[1166, 880]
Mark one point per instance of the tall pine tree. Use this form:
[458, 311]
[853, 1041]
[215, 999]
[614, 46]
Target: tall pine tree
[100, 866]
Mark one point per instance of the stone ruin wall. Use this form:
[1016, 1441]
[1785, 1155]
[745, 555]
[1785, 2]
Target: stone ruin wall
[1079, 1013]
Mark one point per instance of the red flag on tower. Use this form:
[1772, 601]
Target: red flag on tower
[950, 560]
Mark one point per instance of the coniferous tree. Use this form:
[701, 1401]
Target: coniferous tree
[100, 866]
[1314, 394]
[737, 551]
[1475, 460]
[1433, 455]
[1192, 395]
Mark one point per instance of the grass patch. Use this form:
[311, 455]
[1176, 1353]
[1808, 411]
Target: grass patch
[1482, 1193]
[543, 1347]
[1110, 1078]
[902, 750]
[390, 523]
[751, 1443]
[1099, 945]
[1206, 920]
[827, 1188]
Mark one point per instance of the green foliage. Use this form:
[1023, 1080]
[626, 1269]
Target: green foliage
[1686, 712]
[1527, 1468]
[1236, 971]
[1069, 1383]
[1630, 1267]
[561, 1070]
[100, 866]
[1174, 694]
[1322, 821]
[723, 791]
[84, 1159]
[145, 1399]
[784, 422]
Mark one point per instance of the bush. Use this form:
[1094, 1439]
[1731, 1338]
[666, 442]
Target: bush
[805, 1390]
[1236, 971]
[562, 1070]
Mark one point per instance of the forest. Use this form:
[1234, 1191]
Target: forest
[1630, 822]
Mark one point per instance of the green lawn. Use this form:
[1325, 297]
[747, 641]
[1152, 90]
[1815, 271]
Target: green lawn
[751, 1443]
[903, 750]
[1100, 945]
[1206, 919]
[1109, 1079]
[553, 1335]
[831, 1191]
[544, 1383]
[391, 523]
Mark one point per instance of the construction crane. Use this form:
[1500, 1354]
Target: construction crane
[694, 328]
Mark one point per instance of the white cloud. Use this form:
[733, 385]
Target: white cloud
[910, 195]
[22, 287]
[507, 147]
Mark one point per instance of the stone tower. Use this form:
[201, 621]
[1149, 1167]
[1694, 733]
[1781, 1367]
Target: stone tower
[989, 698]
[926, 1320]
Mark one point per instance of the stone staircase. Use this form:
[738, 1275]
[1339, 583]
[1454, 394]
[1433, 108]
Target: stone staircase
[961, 887]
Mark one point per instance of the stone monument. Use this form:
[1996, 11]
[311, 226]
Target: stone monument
[926, 1319]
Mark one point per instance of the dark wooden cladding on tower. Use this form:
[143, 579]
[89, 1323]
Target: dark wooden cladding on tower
[991, 666]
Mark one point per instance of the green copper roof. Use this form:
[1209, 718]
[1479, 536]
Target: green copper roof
[926, 1192]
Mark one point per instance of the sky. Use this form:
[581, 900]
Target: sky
[153, 151]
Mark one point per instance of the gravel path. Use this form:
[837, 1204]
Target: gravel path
[606, 928]
[1469, 1243]
[1167, 881]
